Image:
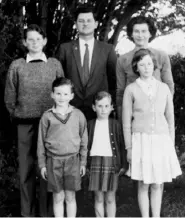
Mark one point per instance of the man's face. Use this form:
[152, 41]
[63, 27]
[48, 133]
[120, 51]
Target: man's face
[86, 24]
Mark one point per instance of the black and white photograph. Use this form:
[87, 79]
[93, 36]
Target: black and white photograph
[92, 108]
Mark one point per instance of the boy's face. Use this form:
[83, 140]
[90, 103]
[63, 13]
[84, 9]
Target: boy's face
[34, 42]
[62, 95]
[103, 108]
[86, 24]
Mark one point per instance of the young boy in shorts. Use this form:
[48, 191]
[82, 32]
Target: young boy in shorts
[62, 148]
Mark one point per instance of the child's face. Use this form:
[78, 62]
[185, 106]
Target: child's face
[62, 95]
[103, 108]
[145, 67]
[34, 42]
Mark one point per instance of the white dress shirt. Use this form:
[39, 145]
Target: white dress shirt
[82, 49]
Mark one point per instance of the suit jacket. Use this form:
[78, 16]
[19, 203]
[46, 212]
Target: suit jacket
[102, 70]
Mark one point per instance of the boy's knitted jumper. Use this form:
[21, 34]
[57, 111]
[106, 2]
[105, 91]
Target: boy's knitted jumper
[57, 139]
[28, 87]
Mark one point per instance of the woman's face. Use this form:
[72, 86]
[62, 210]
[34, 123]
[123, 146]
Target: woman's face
[145, 67]
[141, 35]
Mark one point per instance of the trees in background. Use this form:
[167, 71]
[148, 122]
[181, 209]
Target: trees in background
[56, 16]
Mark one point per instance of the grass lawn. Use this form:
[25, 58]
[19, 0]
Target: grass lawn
[173, 200]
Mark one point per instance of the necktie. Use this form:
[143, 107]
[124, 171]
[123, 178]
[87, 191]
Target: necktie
[86, 65]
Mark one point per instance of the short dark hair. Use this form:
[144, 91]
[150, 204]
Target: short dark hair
[61, 81]
[100, 95]
[34, 27]
[138, 56]
[85, 8]
[141, 20]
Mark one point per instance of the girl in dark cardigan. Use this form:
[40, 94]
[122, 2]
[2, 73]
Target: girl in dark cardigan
[107, 155]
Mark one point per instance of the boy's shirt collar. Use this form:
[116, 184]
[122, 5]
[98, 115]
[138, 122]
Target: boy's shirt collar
[42, 58]
[70, 109]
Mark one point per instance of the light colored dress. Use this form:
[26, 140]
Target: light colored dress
[154, 157]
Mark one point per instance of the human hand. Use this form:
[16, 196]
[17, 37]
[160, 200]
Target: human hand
[82, 171]
[121, 172]
[129, 155]
[44, 173]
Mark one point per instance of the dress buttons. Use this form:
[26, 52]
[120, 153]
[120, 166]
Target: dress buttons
[112, 142]
[113, 148]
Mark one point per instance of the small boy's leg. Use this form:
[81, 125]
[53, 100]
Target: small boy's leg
[110, 204]
[70, 199]
[99, 203]
[58, 203]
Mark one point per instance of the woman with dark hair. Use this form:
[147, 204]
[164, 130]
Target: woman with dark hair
[141, 30]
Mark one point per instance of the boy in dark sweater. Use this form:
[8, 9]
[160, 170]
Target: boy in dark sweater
[27, 91]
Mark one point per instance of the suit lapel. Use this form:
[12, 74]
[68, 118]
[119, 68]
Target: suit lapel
[95, 59]
[76, 52]
[95, 56]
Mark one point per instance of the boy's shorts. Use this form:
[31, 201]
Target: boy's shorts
[63, 174]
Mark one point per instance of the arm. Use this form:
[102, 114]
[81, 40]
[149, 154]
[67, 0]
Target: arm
[120, 85]
[10, 97]
[127, 121]
[127, 116]
[111, 72]
[169, 114]
[123, 152]
[42, 131]
[60, 55]
[166, 73]
[59, 71]
[84, 139]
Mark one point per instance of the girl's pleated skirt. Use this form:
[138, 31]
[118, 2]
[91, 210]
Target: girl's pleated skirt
[102, 174]
[154, 159]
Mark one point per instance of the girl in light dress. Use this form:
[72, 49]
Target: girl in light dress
[148, 124]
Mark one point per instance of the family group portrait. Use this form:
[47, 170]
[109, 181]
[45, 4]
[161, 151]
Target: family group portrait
[92, 108]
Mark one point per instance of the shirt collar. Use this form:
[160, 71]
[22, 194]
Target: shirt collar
[70, 109]
[30, 58]
[89, 42]
[151, 82]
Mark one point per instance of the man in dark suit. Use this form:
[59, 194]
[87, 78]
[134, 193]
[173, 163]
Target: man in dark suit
[89, 63]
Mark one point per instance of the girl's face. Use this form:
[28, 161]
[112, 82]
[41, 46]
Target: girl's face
[103, 108]
[62, 95]
[145, 67]
[141, 35]
[34, 42]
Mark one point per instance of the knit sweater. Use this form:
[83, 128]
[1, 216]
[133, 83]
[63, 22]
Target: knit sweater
[116, 141]
[57, 139]
[125, 74]
[28, 87]
[144, 115]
